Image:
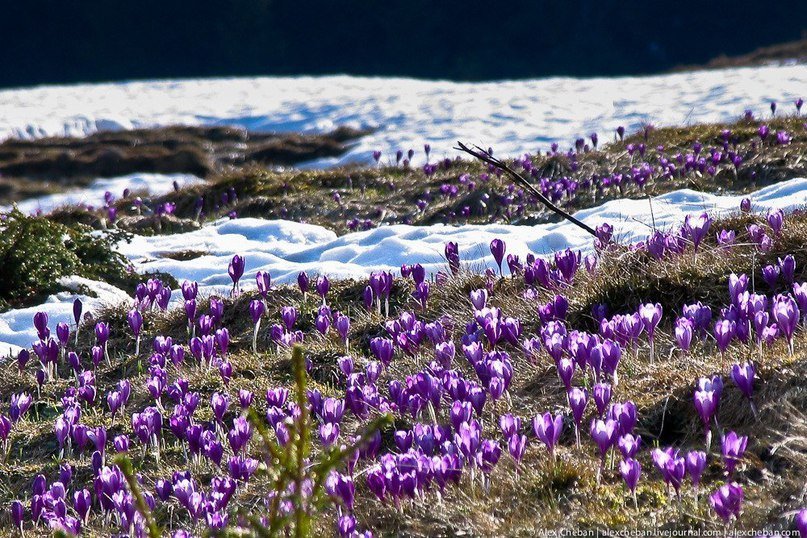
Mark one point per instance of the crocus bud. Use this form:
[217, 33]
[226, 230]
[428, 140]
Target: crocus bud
[303, 281]
[263, 281]
[498, 248]
[631, 470]
[22, 359]
[17, 514]
[236, 269]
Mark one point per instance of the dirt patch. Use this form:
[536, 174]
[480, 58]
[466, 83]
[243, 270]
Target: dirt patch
[781, 53]
[203, 151]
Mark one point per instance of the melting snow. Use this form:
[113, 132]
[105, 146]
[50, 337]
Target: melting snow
[285, 248]
[512, 116]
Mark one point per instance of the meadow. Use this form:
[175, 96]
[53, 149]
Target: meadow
[651, 384]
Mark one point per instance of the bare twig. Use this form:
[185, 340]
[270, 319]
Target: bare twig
[486, 157]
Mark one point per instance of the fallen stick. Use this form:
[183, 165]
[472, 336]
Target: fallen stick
[486, 157]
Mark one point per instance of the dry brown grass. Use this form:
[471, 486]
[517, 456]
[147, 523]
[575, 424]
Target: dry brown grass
[386, 194]
[544, 495]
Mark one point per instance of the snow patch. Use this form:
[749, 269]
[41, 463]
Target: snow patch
[285, 248]
[93, 194]
[511, 116]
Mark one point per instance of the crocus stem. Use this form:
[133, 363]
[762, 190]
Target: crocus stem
[600, 470]
[255, 337]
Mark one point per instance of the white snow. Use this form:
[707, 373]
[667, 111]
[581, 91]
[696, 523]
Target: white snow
[93, 194]
[512, 116]
[285, 248]
[17, 328]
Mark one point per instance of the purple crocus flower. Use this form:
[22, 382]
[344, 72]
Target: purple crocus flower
[479, 298]
[17, 514]
[62, 333]
[264, 281]
[726, 238]
[786, 313]
[135, 319]
[452, 254]
[323, 285]
[770, 274]
[629, 445]
[733, 448]
[303, 282]
[219, 404]
[787, 267]
[20, 403]
[498, 248]
[548, 429]
[724, 332]
[775, 220]
[367, 296]
[62, 431]
[82, 503]
[41, 325]
[695, 464]
[602, 397]
[706, 402]
[651, 316]
[604, 434]
[342, 324]
[489, 455]
[236, 271]
[578, 398]
[631, 470]
[727, 501]
[671, 466]
[517, 446]
[625, 415]
[743, 377]
[683, 333]
[467, 440]
[567, 262]
[697, 228]
[745, 205]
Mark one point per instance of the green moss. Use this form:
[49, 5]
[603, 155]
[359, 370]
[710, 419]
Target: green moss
[35, 252]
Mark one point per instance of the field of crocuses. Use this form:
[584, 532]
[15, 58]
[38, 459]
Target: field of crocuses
[651, 384]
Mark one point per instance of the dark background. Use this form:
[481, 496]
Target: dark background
[51, 41]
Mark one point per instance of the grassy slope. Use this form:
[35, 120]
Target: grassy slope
[543, 495]
[389, 194]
